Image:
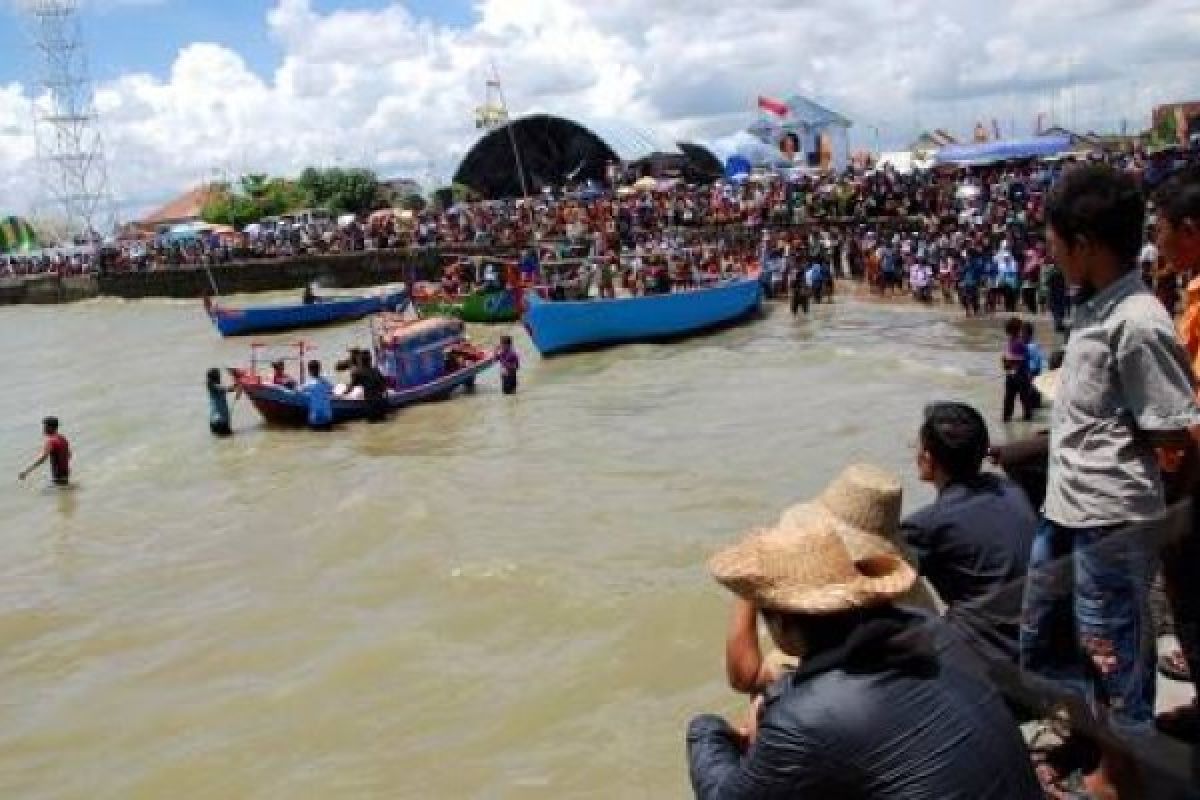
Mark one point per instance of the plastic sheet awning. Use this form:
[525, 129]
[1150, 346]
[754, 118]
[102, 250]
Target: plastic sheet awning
[1004, 150]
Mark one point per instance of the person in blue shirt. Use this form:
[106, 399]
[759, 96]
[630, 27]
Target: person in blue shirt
[1033, 351]
[816, 281]
[529, 267]
[891, 270]
[319, 392]
[218, 404]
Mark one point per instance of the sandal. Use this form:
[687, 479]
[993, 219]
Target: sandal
[1174, 666]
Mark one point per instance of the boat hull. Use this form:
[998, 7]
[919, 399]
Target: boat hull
[289, 408]
[561, 327]
[266, 319]
[479, 308]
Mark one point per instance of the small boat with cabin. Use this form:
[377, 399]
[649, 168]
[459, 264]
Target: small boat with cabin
[421, 360]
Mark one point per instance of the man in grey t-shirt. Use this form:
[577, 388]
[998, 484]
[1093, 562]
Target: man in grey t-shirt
[1125, 386]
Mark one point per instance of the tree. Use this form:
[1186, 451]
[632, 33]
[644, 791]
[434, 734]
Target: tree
[353, 191]
[228, 208]
[1166, 131]
[448, 196]
[254, 185]
[413, 202]
[280, 196]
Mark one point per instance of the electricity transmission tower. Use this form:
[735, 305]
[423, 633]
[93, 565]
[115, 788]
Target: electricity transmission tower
[70, 149]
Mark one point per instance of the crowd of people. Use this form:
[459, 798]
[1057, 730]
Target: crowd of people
[907, 649]
[1043, 571]
[931, 231]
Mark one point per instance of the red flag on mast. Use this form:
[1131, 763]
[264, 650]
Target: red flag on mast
[772, 106]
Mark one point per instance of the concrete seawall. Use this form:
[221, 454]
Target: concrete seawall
[47, 289]
[347, 270]
[343, 270]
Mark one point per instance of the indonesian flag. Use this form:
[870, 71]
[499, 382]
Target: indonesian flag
[772, 106]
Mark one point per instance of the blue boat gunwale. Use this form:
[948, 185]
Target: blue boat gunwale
[293, 404]
[533, 298]
[336, 301]
[732, 286]
[247, 320]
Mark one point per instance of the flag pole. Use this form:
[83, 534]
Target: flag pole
[512, 136]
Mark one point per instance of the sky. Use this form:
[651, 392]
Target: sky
[190, 89]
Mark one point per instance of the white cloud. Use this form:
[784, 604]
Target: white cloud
[397, 92]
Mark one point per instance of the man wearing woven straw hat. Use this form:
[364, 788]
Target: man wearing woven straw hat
[863, 506]
[884, 704]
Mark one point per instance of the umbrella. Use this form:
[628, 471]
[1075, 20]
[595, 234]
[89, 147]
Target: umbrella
[737, 165]
[646, 184]
[17, 235]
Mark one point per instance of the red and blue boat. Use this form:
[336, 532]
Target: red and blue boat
[321, 311]
[422, 360]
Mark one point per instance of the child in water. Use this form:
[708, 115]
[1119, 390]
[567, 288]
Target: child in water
[218, 404]
[509, 363]
[56, 450]
[1017, 382]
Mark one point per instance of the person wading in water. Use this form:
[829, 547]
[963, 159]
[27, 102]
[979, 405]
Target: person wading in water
[56, 450]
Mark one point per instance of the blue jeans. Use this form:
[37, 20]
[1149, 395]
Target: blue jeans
[1086, 620]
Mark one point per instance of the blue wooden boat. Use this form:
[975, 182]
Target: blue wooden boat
[325, 311]
[559, 327]
[422, 361]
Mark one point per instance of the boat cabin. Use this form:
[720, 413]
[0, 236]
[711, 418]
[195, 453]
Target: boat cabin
[415, 352]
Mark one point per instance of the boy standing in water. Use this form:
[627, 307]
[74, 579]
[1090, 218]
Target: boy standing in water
[509, 363]
[56, 450]
[1017, 384]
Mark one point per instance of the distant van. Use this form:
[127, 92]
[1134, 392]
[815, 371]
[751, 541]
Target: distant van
[320, 217]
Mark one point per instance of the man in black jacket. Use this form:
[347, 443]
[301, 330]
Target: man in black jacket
[886, 703]
[973, 542]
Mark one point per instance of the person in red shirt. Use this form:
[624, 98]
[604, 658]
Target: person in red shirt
[56, 450]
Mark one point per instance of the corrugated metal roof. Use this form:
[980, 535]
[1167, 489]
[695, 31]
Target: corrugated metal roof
[812, 114]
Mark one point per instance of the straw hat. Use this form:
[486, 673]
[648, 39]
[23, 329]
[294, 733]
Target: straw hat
[863, 504]
[804, 567]
[1047, 384]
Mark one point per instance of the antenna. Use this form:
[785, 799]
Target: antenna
[70, 150]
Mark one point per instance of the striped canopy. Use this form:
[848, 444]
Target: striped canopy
[17, 236]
